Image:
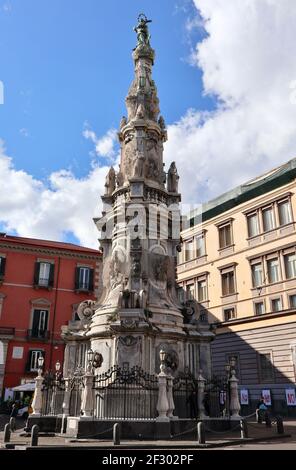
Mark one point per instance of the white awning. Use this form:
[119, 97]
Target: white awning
[29, 387]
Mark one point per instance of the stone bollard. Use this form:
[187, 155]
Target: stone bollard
[7, 433]
[34, 435]
[244, 429]
[201, 435]
[280, 425]
[267, 419]
[12, 424]
[116, 434]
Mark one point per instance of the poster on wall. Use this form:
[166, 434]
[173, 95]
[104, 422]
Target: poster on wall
[291, 396]
[244, 396]
[266, 396]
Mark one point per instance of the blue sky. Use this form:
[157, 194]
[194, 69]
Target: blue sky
[226, 78]
[67, 62]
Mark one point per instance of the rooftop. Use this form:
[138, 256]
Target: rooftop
[46, 243]
[262, 184]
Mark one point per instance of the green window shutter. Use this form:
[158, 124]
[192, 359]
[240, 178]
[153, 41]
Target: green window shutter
[36, 273]
[77, 271]
[51, 276]
[91, 280]
[2, 266]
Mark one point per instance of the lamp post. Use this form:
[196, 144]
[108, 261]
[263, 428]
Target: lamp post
[55, 386]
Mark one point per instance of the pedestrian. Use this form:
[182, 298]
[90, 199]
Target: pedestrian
[14, 410]
[261, 410]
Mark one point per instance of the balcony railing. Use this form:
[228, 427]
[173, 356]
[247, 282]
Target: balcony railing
[6, 331]
[38, 334]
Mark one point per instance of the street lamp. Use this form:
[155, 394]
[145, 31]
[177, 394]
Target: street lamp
[40, 362]
[90, 358]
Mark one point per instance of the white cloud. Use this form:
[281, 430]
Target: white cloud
[248, 64]
[50, 209]
[104, 146]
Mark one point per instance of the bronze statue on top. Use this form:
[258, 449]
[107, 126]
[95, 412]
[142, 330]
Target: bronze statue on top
[142, 31]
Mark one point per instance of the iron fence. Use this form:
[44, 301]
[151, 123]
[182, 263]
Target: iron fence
[123, 393]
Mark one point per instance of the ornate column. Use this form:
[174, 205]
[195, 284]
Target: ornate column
[37, 399]
[87, 402]
[234, 398]
[162, 403]
[200, 395]
[170, 396]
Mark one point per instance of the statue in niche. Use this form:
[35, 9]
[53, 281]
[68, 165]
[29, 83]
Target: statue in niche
[110, 182]
[136, 266]
[123, 122]
[142, 31]
[140, 111]
[116, 277]
[119, 178]
[151, 170]
[160, 267]
[139, 164]
[173, 179]
[128, 137]
[161, 122]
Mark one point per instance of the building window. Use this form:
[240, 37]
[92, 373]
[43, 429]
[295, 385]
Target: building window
[32, 364]
[203, 316]
[189, 250]
[273, 270]
[229, 314]
[202, 290]
[39, 324]
[285, 213]
[290, 265]
[225, 238]
[199, 246]
[2, 266]
[257, 274]
[259, 308]
[190, 292]
[228, 284]
[253, 225]
[268, 219]
[265, 367]
[276, 305]
[44, 274]
[292, 301]
[180, 293]
[84, 279]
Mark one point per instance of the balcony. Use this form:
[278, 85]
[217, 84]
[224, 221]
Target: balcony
[38, 335]
[5, 331]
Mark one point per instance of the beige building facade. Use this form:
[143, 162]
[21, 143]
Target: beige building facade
[238, 261]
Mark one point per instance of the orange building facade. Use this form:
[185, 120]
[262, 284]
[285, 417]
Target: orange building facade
[41, 285]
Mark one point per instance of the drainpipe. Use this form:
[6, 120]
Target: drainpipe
[54, 313]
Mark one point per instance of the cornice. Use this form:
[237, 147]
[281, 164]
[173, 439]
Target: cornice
[50, 251]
